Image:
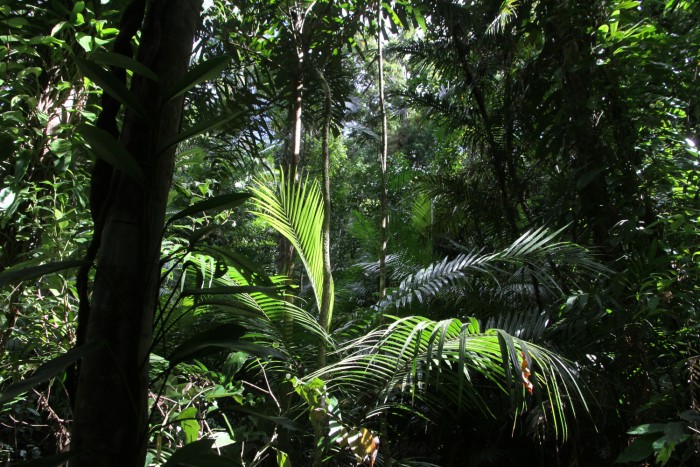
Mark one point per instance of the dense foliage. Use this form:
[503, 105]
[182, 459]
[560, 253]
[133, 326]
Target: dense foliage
[512, 278]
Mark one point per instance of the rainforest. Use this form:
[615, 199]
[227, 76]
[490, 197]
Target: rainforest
[349, 232]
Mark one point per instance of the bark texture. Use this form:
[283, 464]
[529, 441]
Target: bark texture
[111, 410]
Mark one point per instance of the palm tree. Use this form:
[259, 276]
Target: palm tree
[417, 364]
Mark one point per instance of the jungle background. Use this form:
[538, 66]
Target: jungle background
[285, 232]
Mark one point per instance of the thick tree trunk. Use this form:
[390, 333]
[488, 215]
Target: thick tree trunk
[111, 411]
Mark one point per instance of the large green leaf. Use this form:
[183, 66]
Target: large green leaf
[226, 336]
[189, 424]
[217, 203]
[47, 371]
[638, 450]
[18, 273]
[199, 454]
[107, 148]
[199, 128]
[122, 61]
[50, 461]
[198, 74]
[111, 85]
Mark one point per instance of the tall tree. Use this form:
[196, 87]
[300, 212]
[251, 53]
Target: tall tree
[111, 398]
[383, 148]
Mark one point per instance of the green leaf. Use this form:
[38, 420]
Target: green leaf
[200, 128]
[217, 203]
[647, 428]
[18, 274]
[281, 421]
[225, 336]
[295, 210]
[234, 289]
[107, 148]
[627, 5]
[16, 22]
[189, 424]
[690, 415]
[244, 265]
[283, 459]
[50, 461]
[418, 15]
[111, 85]
[7, 197]
[199, 454]
[60, 146]
[47, 371]
[198, 74]
[640, 449]
[122, 61]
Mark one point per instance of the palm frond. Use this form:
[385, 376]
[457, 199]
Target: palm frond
[420, 362]
[263, 314]
[532, 249]
[506, 14]
[295, 210]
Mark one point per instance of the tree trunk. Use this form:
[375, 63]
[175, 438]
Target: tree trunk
[383, 215]
[111, 411]
[383, 149]
[325, 313]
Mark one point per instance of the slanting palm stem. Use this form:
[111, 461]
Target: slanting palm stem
[324, 315]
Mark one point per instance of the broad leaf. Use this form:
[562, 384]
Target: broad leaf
[111, 85]
[122, 61]
[107, 148]
[640, 449]
[14, 275]
[47, 371]
[50, 461]
[226, 336]
[199, 454]
[647, 428]
[189, 424]
[198, 74]
[217, 203]
[200, 128]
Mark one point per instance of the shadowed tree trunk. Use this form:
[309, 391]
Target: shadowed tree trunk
[383, 214]
[111, 410]
[383, 149]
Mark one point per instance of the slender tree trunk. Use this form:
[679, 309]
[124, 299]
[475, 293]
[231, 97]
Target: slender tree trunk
[383, 149]
[325, 314]
[286, 259]
[383, 214]
[111, 410]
